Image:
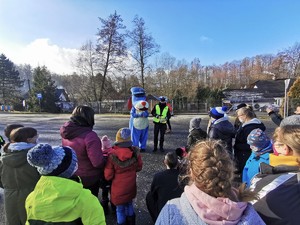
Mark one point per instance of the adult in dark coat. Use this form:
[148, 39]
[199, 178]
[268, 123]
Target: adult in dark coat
[221, 128]
[242, 150]
[164, 186]
[275, 117]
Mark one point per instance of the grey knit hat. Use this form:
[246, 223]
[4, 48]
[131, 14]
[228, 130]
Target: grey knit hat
[195, 123]
[290, 120]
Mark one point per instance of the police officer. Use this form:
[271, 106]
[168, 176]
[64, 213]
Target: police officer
[161, 114]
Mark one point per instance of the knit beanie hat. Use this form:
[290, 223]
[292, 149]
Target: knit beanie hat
[58, 161]
[218, 112]
[123, 137]
[106, 143]
[290, 120]
[195, 123]
[258, 140]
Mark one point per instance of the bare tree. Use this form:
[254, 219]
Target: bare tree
[111, 46]
[143, 45]
[292, 59]
[25, 71]
[88, 66]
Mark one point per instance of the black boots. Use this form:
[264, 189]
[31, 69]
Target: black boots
[105, 206]
[130, 220]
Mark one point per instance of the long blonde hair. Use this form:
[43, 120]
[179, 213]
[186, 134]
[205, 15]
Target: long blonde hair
[211, 169]
[290, 136]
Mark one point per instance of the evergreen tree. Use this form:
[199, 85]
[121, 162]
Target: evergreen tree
[294, 93]
[44, 85]
[10, 81]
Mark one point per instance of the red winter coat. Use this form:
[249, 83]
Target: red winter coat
[121, 168]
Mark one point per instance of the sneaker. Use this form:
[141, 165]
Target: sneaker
[154, 150]
[143, 150]
[168, 131]
[161, 149]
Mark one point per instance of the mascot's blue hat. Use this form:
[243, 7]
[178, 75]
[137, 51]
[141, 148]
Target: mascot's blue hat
[138, 91]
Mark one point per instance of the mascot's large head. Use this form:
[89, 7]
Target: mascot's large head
[138, 94]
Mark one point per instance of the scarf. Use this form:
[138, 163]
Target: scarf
[20, 146]
[214, 211]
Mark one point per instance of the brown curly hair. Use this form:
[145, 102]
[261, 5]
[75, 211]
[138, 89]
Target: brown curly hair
[211, 169]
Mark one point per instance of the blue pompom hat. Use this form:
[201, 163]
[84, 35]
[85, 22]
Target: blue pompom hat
[218, 112]
[58, 161]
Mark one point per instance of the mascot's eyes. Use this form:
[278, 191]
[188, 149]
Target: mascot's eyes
[140, 95]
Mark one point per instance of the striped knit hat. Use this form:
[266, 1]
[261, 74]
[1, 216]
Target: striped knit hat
[58, 161]
[218, 112]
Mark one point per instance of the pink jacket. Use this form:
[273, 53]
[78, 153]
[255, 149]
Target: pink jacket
[87, 146]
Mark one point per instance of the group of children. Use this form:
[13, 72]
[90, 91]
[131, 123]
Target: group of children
[40, 184]
[272, 167]
[41, 181]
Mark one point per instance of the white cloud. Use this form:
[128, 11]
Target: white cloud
[205, 39]
[41, 52]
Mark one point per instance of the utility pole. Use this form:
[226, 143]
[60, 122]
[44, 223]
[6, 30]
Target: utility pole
[286, 106]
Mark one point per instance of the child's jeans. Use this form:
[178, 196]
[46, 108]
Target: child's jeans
[123, 211]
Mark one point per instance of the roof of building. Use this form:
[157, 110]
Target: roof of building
[62, 95]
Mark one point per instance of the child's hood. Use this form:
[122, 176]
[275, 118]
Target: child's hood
[123, 154]
[15, 158]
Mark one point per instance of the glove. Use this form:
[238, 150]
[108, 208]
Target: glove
[157, 116]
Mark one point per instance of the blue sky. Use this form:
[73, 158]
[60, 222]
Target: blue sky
[215, 31]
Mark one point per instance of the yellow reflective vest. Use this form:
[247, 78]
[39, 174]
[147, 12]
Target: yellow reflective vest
[162, 116]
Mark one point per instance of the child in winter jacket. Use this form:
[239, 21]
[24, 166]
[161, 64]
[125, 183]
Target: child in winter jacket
[17, 176]
[105, 185]
[121, 167]
[261, 147]
[59, 197]
[195, 133]
[210, 198]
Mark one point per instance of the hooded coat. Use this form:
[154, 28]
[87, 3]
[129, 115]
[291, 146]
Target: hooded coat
[87, 146]
[197, 207]
[121, 168]
[222, 129]
[278, 189]
[57, 199]
[19, 179]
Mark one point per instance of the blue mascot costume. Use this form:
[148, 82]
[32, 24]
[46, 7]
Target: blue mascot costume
[139, 123]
